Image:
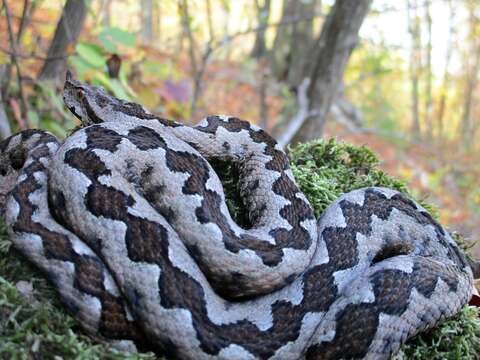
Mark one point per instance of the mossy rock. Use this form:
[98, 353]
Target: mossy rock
[36, 326]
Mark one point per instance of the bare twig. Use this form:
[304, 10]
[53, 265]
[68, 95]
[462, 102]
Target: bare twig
[188, 30]
[292, 20]
[300, 117]
[32, 56]
[198, 79]
[198, 70]
[209, 20]
[23, 102]
[24, 20]
[5, 130]
[263, 113]
[219, 43]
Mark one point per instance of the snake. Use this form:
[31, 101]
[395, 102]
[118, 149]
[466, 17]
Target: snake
[127, 217]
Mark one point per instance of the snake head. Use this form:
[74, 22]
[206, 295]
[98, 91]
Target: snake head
[88, 103]
[93, 105]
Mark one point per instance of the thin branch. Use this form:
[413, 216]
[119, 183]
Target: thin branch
[292, 20]
[212, 46]
[24, 20]
[32, 56]
[300, 117]
[263, 87]
[198, 78]
[23, 102]
[209, 20]
[188, 31]
[5, 130]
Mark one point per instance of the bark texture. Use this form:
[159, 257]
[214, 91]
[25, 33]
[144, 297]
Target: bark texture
[338, 38]
[147, 20]
[415, 65]
[66, 34]
[468, 125]
[5, 130]
[293, 43]
[263, 11]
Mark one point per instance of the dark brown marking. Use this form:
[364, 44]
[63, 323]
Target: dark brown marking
[99, 137]
[149, 242]
[145, 138]
[89, 271]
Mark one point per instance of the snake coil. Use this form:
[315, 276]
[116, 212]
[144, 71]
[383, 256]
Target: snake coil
[128, 220]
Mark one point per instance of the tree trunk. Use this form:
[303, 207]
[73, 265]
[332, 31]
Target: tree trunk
[414, 29]
[5, 129]
[293, 42]
[281, 45]
[263, 12]
[106, 12]
[428, 70]
[211, 32]
[338, 38]
[147, 21]
[302, 42]
[446, 73]
[157, 24]
[467, 125]
[66, 34]
[227, 12]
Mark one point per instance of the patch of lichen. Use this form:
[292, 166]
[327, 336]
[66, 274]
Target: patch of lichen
[40, 328]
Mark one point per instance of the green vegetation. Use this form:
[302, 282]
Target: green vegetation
[457, 338]
[35, 324]
[325, 170]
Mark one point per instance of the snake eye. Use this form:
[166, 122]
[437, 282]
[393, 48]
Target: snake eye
[17, 159]
[80, 94]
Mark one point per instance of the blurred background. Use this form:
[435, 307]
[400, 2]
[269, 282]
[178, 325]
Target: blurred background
[399, 77]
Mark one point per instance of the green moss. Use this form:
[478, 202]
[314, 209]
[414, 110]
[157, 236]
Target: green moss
[327, 169]
[37, 327]
[324, 171]
[457, 338]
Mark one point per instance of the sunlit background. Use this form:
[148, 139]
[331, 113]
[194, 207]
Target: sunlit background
[186, 59]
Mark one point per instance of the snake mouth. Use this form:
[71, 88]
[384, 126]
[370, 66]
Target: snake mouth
[72, 110]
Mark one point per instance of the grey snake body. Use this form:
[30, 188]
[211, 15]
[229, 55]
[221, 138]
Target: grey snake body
[128, 219]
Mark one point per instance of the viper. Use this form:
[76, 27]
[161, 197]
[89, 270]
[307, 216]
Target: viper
[128, 219]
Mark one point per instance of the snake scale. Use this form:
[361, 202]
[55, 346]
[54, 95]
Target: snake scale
[128, 220]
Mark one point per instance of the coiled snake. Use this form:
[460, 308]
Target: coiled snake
[128, 219]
